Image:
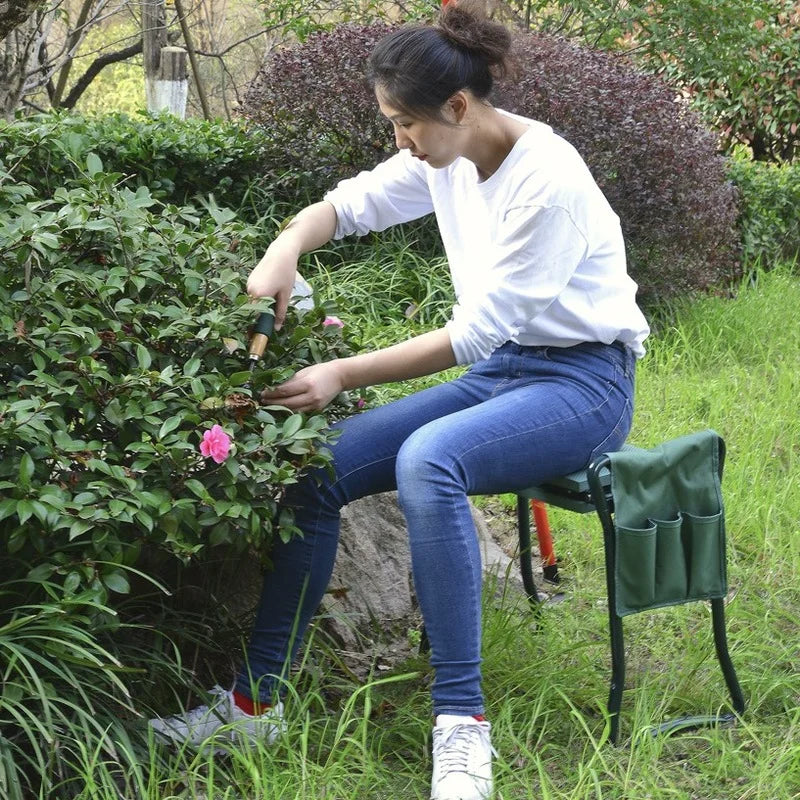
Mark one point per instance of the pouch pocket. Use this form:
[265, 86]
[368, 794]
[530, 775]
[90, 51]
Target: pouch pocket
[671, 577]
[704, 542]
[635, 568]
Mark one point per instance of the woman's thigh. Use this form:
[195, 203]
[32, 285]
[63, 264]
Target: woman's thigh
[366, 447]
[541, 421]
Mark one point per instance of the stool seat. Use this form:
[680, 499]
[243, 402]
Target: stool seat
[572, 491]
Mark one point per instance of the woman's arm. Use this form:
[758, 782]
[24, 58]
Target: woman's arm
[314, 387]
[274, 275]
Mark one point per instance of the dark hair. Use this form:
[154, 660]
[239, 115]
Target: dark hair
[420, 67]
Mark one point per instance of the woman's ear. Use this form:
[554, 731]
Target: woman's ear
[457, 105]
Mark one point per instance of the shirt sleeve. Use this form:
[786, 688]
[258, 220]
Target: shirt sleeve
[393, 192]
[535, 254]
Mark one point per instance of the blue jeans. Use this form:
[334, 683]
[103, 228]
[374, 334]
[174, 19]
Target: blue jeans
[522, 416]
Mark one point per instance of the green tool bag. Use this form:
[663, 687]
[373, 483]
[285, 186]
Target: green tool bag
[669, 523]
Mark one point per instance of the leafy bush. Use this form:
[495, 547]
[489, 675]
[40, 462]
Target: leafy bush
[649, 153]
[770, 199]
[177, 160]
[737, 62]
[123, 328]
[313, 102]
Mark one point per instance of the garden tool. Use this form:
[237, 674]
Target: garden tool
[262, 330]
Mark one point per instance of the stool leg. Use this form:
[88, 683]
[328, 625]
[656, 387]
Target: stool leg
[549, 560]
[614, 620]
[721, 645]
[525, 564]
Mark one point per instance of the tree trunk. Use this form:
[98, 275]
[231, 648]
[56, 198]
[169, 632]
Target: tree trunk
[154, 39]
[171, 89]
[15, 12]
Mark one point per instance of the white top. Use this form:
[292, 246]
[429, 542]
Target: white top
[535, 251]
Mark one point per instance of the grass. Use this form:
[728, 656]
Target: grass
[729, 364]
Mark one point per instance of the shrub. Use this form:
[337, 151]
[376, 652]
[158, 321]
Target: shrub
[123, 327]
[313, 103]
[177, 160]
[770, 199]
[649, 153]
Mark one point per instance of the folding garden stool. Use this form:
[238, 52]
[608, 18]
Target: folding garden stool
[663, 526]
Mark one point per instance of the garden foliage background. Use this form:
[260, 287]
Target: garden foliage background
[126, 239]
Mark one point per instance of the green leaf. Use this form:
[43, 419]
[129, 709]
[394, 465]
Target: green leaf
[93, 164]
[26, 470]
[72, 582]
[117, 581]
[8, 507]
[169, 425]
[143, 357]
[24, 511]
[191, 366]
[292, 425]
[78, 528]
[240, 378]
[197, 488]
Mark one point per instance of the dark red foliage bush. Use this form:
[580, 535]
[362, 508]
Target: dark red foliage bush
[650, 154]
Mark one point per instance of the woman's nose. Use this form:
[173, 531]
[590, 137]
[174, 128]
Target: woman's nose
[401, 139]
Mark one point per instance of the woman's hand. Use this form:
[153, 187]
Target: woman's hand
[310, 389]
[274, 276]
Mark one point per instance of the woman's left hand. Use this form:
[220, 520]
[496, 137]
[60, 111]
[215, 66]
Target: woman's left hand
[310, 389]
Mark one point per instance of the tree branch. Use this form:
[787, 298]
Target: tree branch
[242, 41]
[94, 68]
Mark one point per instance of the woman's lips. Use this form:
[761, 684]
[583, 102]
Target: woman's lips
[420, 157]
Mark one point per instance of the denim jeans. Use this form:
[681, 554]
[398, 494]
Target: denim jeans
[520, 417]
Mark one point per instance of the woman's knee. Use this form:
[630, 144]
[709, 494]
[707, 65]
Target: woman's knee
[425, 468]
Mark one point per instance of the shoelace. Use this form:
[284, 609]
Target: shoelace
[453, 746]
[200, 712]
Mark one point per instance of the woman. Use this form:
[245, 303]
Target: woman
[545, 314]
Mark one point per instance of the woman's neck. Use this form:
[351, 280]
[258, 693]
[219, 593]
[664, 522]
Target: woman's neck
[493, 137]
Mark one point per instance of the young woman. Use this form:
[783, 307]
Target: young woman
[545, 314]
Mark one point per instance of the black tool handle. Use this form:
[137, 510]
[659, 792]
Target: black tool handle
[262, 330]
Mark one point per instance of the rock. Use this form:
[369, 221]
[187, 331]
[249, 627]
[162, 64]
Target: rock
[371, 594]
[369, 613]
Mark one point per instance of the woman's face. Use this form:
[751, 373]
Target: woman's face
[430, 141]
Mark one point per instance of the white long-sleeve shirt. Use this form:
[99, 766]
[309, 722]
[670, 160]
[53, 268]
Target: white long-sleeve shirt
[536, 253]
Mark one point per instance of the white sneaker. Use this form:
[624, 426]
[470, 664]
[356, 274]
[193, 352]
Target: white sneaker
[462, 759]
[221, 721]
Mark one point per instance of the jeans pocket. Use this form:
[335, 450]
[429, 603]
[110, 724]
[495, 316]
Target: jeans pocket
[618, 434]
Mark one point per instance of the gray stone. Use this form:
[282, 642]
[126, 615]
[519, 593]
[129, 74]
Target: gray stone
[371, 594]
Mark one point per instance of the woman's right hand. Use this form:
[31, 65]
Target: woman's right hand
[274, 276]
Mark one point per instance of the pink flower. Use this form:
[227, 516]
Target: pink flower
[361, 402]
[216, 444]
[333, 321]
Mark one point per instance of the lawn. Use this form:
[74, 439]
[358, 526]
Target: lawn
[728, 363]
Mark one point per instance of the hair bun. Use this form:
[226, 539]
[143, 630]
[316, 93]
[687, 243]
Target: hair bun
[466, 25]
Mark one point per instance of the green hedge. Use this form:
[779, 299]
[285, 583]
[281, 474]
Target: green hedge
[177, 160]
[769, 209]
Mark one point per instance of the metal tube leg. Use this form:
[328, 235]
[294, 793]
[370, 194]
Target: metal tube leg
[721, 645]
[525, 563]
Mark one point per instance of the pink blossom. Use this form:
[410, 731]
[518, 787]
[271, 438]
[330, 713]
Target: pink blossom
[216, 444]
[361, 402]
[333, 321]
